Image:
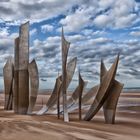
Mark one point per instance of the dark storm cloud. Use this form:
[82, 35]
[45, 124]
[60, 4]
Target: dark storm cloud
[6, 11]
[4, 1]
[32, 7]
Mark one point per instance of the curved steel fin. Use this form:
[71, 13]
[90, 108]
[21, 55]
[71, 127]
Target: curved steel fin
[34, 84]
[53, 98]
[110, 104]
[102, 93]
[8, 84]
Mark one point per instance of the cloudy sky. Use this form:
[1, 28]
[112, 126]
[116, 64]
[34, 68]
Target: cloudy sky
[96, 29]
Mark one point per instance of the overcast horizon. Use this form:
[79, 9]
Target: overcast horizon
[97, 29]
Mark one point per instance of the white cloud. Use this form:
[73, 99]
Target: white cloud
[75, 38]
[47, 27]
[103, 20]
[33, 10]
[100, 40]
[120, 14]
[136, 28]
[14, 23]
[7, 39]
[131, 42]
[33, 31]
[99, 32]
[4, 32]
[87, 31]
[53, 39]
[105, 3]
[125, 21]
[135, 33]
[78, 20]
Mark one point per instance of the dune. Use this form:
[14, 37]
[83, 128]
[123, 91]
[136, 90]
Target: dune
[33, 127]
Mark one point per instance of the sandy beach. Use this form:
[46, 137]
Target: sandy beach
[48, 127]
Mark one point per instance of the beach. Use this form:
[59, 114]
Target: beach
[48, 127]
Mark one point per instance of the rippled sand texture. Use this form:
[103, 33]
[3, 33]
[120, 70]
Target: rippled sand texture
[48, 127]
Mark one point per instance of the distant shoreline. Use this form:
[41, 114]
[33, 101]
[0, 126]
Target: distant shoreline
[49, 91]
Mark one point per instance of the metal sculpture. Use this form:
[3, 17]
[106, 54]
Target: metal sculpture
[34, 84]
[72, 103]
[21, 70]
[102, 94]
[81, 87]
[58, 98]
[16, 63]
[109, 106]
[90, 94]
[53, 98]
[77, 94]
[16, 77]
[8, 84]
[65, 49]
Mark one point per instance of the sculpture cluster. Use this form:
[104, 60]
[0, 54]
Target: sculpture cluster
[16, 76]
[16, 81]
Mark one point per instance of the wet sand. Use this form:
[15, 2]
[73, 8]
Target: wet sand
[48, 127]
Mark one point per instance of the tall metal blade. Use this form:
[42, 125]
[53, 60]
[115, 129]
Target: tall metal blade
[34, 84]
[103, 91]
[16, 73]
[53, 98]
[65, 49]
[8, 82]
[103, 71]
[110, 104]
[21, 69]
[81, 87]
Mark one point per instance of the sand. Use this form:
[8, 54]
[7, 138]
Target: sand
[48, 127]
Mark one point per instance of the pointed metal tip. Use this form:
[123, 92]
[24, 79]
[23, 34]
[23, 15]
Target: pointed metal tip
[118, 55]
[27, 22]
[17, 38]
[32, 61]
[62, 31]
[75, 58]
[102, 60]
[79, 69]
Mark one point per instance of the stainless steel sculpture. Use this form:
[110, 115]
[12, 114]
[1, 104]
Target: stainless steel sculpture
[53, 98]
[21, 86]
[76, 96]
[58, 97]
[65, 49]
[81, 87]
[103, 91]
[73, 104]
[109, 106]
[34, 84]
[90, 94]
[16, 58]
[70, 69]
[8, 84]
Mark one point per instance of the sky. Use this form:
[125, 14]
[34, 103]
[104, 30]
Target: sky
[97, 29]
